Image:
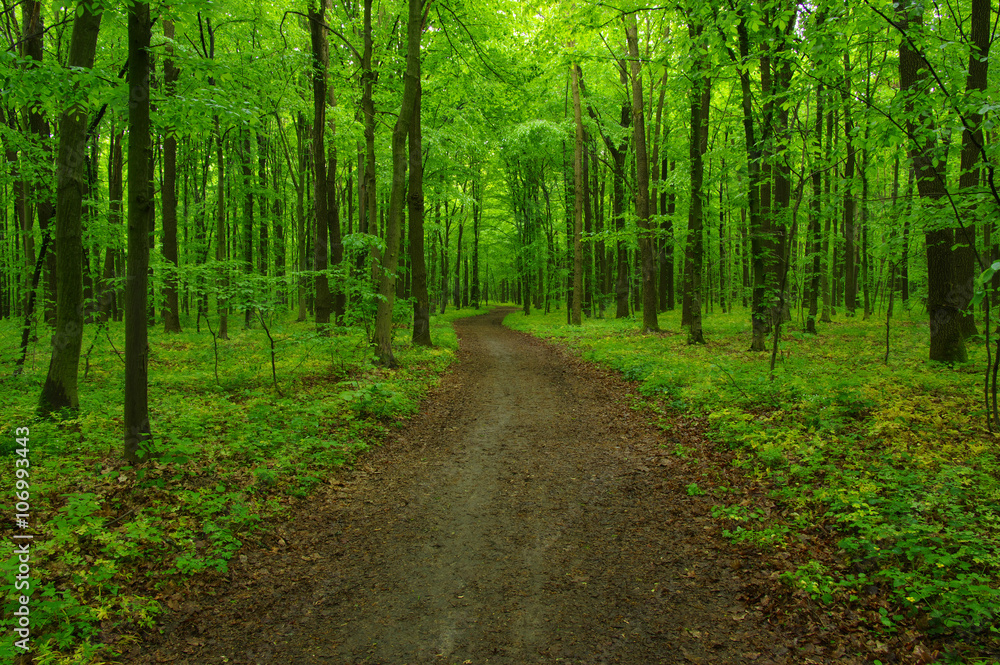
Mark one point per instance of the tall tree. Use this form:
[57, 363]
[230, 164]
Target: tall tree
[577, 318]
[140, 216]
[698, 145]
[320, 51]
[407, 112]
[60, 388]
[415, 228]
[171, 313]
[943, 301]
[649, 322]
[972, 143]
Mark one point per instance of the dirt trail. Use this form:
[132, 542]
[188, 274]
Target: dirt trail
[525, 516]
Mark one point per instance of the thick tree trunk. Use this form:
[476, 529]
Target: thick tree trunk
[140, 214]
[943, 301]
[320, 51]
[649, 322]
[387, 290]
[60, 388]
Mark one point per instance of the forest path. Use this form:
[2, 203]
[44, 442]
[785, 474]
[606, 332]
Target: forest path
[526, 515]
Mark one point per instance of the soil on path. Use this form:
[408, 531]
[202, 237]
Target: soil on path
[527, 515]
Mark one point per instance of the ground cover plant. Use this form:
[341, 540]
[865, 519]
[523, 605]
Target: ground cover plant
[117, 545]
[879, 494]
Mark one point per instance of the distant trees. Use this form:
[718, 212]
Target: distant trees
[548, 159]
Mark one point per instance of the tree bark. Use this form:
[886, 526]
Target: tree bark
[815, 212]
[368, 208]
[697, 145]
[850, 270]
[758, 315]
[968, 180]
[171, 312]
[415, 207]
[649, 322]
[943, 302]
[320, 50]
[140, 214]
[577, 316]
[60, 388]
[387, 287]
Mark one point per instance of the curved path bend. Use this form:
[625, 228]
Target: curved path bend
[526, 515]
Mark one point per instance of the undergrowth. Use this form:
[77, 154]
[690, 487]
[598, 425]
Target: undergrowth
[113, 543]
[893, 461]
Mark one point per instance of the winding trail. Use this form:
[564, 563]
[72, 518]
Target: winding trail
[526, 515]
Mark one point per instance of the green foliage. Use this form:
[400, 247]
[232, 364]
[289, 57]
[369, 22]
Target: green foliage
[227, 456]
[893, 459]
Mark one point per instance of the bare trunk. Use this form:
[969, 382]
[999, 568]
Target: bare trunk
[171, 312]
[60, 388]
[649, 322]
[577, 317]
[140, 214]
[407, 112]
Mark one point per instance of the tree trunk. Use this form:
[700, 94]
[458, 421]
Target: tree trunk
[649, 322]
[415, 206]
[943, 303]
[477, 212]
[577, 317]
[407, 112]
[368, 206]
[320, 51]
[698, 146]
[171, 312]
[140, 214]
[850, 272]
[815, 212]
[60, 388]
[968, 180]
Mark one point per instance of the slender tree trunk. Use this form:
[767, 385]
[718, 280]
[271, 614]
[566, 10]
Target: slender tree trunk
[972, 139]
[140, 213]
[415, 206]
[815, 212]
[60, 388]
[369, 205]
[407, 113]
[850, 272]
[477, 211]
[698, 146]
[649, 322]
[221, 236]
[577, 317]
[758, 316]
[171, 312]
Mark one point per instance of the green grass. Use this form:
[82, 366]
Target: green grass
[893, 460]
[112, 542]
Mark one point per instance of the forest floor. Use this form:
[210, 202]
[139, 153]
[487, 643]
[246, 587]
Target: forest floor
[531, 512]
